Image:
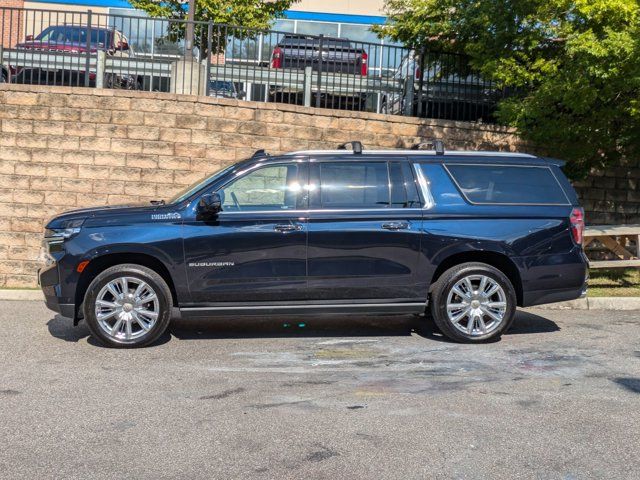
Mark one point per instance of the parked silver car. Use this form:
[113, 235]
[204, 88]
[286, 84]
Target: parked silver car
[436, 88]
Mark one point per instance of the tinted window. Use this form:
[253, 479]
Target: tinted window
[269, 188]
[508, 184]
[76, 35]
[354, 185]
[404, 192]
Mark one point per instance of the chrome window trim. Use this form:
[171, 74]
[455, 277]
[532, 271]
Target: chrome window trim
[329, 210]
[429, 202]
[522, 204]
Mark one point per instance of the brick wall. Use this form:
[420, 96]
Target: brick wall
[63, 148]
[11, 22]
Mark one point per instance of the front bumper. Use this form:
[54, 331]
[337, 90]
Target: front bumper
[49, 282]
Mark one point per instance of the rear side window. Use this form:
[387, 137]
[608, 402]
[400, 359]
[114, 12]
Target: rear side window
[354, 185]
[515, 185]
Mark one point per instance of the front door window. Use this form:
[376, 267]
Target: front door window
[269, 188]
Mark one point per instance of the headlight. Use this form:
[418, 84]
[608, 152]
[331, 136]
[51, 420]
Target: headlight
[54, 237]
[67, 230]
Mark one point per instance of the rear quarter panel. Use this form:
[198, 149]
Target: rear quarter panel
[537, 239]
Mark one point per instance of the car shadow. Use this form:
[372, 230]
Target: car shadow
[292, 326]
[62, 328]
[334, 326]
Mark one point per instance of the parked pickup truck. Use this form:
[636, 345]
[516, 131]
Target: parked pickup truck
[322, 54]
[326, 54]
[75, 39]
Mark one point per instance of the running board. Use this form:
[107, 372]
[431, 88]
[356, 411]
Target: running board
[302, 309]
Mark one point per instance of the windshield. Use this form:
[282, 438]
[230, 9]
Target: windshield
[68, 34]
[190, 190]
[221, 85]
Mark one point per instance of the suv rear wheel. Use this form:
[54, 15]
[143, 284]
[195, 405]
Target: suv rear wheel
[128, 306]
[473, 302]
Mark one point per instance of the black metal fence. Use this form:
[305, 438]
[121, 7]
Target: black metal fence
[89, 49]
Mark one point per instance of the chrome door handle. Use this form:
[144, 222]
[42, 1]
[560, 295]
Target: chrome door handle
[288, 227]
[395, 225]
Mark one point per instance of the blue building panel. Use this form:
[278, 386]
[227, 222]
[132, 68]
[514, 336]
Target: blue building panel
[290, 14]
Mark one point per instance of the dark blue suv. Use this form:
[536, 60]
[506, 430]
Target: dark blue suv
[467, 235]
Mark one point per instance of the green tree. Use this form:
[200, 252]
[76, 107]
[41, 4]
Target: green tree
[574, 63]
[251, 15]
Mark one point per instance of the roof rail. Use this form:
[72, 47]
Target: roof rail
[435, 144]
[356, 146]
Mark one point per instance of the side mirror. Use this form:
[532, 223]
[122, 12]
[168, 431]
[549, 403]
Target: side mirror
[28, 38]
[210, 204]
[241, 94]
[122, 46]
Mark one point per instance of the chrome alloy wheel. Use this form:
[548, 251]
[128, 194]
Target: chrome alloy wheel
[476, 305]
[127, 308]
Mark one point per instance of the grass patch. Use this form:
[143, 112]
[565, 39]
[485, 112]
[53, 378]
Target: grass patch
[617, 282]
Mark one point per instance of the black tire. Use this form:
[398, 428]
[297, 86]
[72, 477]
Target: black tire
[133, 272]
[445, 284]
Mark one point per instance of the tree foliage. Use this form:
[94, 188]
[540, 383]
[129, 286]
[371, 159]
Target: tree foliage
[252, 15]
[574, 63]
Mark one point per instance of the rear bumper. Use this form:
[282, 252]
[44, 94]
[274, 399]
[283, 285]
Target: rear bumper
[49, 282]
[555, 278]
[541, 297]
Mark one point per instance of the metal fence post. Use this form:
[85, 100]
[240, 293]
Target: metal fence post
[207, 76]
[101, 66]
[409, 95]
[87, 64]
[319, 82]
[2, 63]
[308, 75]
[421, 82]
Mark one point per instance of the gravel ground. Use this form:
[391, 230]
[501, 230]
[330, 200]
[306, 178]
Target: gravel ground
[334, 397]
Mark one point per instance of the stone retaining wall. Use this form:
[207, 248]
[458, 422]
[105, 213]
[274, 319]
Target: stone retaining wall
[64, 148]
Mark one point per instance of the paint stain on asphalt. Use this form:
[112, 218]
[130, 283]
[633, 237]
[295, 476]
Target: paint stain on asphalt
[629, 383]
[549, 362]
[221, 395]
[281, 404]
[9, 392]
[323, 453]
[347, 353]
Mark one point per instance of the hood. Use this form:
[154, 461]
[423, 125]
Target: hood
[63, 220]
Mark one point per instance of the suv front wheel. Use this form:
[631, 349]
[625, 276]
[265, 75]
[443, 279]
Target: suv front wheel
[128, 306]
[473, 302]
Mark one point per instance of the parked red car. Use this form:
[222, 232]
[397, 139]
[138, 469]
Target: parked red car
[75, 39]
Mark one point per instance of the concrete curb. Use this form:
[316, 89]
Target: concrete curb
[30, 295]
[595, 303]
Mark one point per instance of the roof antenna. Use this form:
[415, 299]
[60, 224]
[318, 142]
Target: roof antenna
[260, 153]
[356, 146]
[435, 144]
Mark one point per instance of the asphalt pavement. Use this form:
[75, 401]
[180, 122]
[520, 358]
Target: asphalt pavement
[558, 397]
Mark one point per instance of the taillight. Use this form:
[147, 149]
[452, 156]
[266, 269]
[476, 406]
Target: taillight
[418, 73]
[577, 225]
[276, 58]
[363, 64]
